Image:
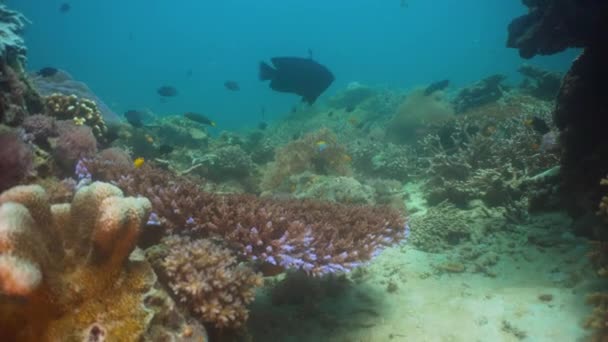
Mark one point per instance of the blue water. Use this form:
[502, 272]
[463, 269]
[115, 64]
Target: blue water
[124, 50]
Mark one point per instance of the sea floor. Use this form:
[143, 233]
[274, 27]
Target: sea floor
[533, 293]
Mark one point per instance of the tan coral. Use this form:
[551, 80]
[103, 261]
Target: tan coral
[208, 279]
[319, 152]
[64, 268]
[81, 111]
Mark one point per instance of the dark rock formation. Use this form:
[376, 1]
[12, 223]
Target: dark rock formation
[552, 26]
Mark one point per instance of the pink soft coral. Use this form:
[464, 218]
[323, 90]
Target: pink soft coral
[74, 142]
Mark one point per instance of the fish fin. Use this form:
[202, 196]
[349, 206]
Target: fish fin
[266, 72]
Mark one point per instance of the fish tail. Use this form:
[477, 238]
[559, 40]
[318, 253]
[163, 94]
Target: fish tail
[266, 71]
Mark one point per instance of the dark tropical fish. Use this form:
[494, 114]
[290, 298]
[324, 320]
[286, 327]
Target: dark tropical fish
[47, 72]
[232, 85]
[165, 149]
[65, 7]
[350, 108]
[134, 118]
[262, 125]
[167, 91]
[433, 87]
[301, 76]
[200, 118]
[540, 126]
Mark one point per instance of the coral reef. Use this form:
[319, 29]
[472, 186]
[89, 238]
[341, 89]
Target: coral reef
[318, 237]
[207, 279]
[415, 113]
[318, 152]
[540, 83]
[487, 90]
[63, 265]
[16, 159]
[17, 98]
[481, 157]
[552, 26]
[81, 111]
[63, 83]
[12, 46]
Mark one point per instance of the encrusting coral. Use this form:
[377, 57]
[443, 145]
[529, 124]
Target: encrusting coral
[64, 269]
[81, 111]
[207, 278]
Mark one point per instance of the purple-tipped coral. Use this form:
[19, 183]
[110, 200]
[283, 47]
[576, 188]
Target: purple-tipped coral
[15, 159]
[317, 237]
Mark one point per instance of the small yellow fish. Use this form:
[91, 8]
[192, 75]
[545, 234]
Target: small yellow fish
[138, 162]
[321, 145]
[528, 122]
[347, 158]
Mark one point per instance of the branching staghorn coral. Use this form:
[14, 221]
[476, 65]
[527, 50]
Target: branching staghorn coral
[62, 266]
[318, 152]
[207, 278]
[317, 237]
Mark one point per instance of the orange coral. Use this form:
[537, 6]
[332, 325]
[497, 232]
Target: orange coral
[64, 272]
